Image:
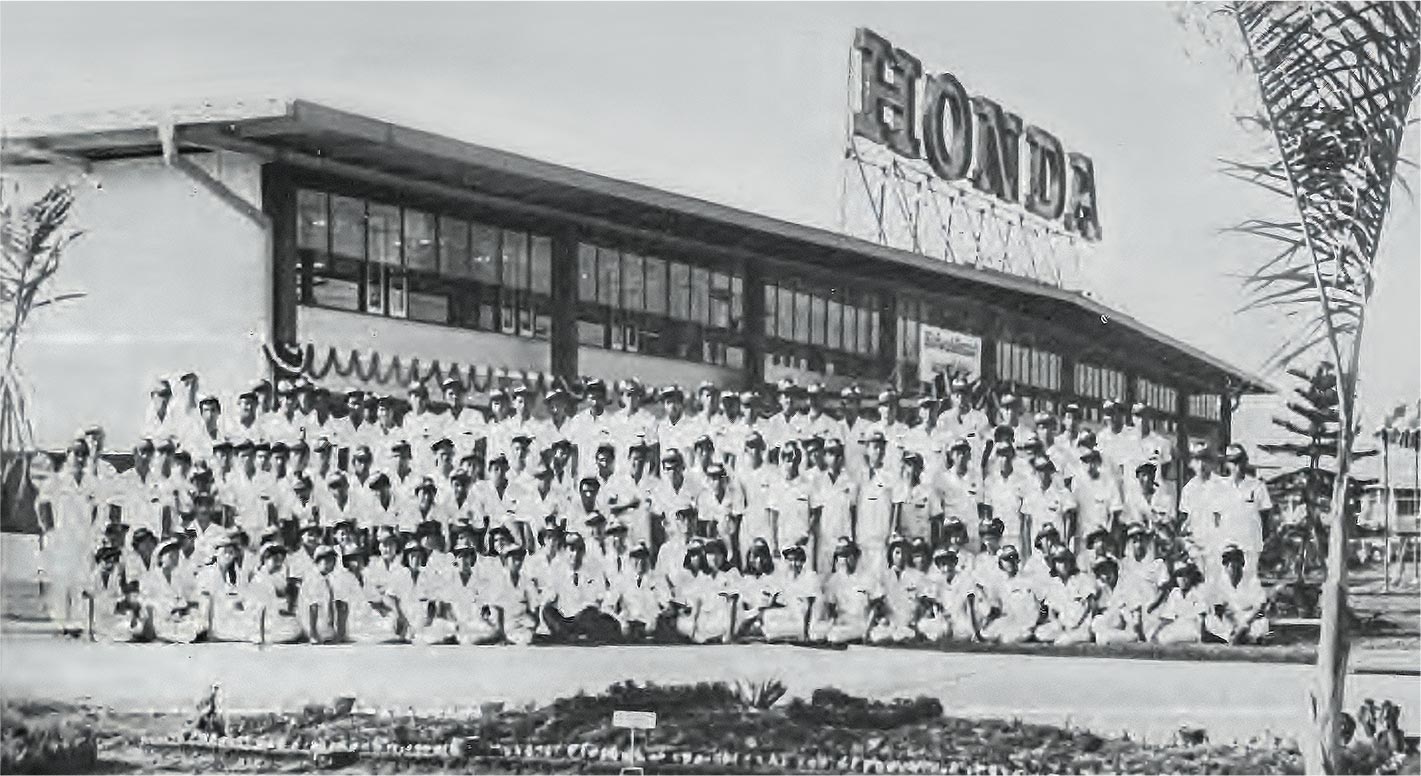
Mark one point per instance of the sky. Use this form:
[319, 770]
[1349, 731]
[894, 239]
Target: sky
[745, 104]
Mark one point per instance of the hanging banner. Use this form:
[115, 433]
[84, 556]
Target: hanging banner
[944, 351]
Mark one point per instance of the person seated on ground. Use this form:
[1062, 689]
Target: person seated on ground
[795, 590]
[415, 591]
[165, 595]
[1069, 601]
[1012, 604]
[382, 569]
[717, 594]
[680, 582]
[224, 604]
[115, 612]
[513, 592]
[757, 589]
[464, 599]
[366, 614]
[955, 536]
[953, 601]
[982, 566]
[1117, 617]
[637, 600]
[1037, 568]
[573, 611]
[1236, 603]
[852, 597]
[269, 595]
[1180, 618]
[900, 598]
[317, 602]
[302, 561]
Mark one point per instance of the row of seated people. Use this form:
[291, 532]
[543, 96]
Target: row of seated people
[343, 584]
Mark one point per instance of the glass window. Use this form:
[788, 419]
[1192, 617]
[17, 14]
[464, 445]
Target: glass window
[875, 321]
[348, 227]
[454, 248]
[633, 294]
[655, 286]
[609, 276]
[737, 308]
[542, 265]
[591, 333]
[396, 280]
[817, 317]
[834, 321]
[784, 308]
[340, 293]
[801, 316]
[587, 272]
[433, 308]
[700, 295]
[484, 251]
[680, 291]
[374, 288]
[312, 221]
[720, 300]
[421, 253]
[515, 261]
[383, 223]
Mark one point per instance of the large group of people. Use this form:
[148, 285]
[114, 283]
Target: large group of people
[587, 514]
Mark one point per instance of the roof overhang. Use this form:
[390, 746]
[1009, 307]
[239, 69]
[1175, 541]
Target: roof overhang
[307, 134]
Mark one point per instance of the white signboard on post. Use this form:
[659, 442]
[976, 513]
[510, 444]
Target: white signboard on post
[944, 351]
[636, 720]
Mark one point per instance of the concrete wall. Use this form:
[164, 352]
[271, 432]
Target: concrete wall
[391, 337]
[652, 370]
[175, 279]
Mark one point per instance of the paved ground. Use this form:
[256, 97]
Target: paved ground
[1233, 701]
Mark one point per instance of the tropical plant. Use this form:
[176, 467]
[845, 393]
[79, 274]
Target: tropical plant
[34, 237]
[1335, 84]
[760, 694]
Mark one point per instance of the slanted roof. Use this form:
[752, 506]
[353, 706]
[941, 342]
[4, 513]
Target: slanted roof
[302, 132]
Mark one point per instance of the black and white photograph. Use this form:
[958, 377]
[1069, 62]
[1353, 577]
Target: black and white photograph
[954, 387]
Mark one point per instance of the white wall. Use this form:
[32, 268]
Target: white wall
[614, 365]
[391, 337]
[175, 280]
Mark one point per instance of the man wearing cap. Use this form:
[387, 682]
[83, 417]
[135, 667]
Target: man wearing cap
[960, 487]
[165, 595]
[900, 604]
[756, 484]
[1247, 508]
[1117, 618]
[625, 493]
[964, 422]
[572, 607]
[794, 594]
[512, 593]
[876, 511]
[920, 504]
[1143, 442]
[221, 589]
[891, 427]
[672, 496]
[632, 423]
[850, 428]
[1145, 502]
[1117, 450]
[674, 431]
[954, 599]
[415, 590]
[852, 596]
[923, 437]
[1203, 502]
[592, 426]
[1011, 414]
[833, 501]
[542, 505]
[282, 422]
[784, 424]
[245, 424]
[1236, 602]
[814, 421]
[206, 430]
[421, 426]
[268, 594]
[720, 508]
[160, 419]
[1180, 618]
[464, 599]
[1097, 500]
[113, 616]
[354, 430]
[140, 496]
[790, 502]
[1013, 605]
[636, 598]
[1005, 489]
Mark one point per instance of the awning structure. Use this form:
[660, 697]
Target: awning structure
[317, 138]
[334, 368]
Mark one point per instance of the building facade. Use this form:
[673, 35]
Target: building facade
[370, 252]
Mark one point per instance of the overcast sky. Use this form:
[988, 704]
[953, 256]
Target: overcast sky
[745, 104]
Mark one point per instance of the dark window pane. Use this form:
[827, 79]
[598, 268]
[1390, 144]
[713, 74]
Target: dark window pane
[700, 295]
[420, 250]
[348, 227]
[312, 222]
[633, 296]
[591, 333]
[542, 324]
[340, 293]
[680, 288]
[655, 286]
[515, 260]
[454, 259]
[865, 327]
[737, 302]
[851, 331]
[542, 264]
[484, 249]
[384, 231]
[395, 292]
[784, 313]
[834, 314]
[609, 276]
[816, 319]
[801, 317]
[771, 316]
[720, 300]
[375, 288]
[586, 272]
[433, 308]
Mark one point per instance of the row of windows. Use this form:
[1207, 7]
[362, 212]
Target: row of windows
[1207, 406]
[1025, 365]
[835, 319]
[1159, 397]
[371, 257]
[1098, 382]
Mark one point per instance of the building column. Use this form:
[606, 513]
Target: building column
[279, 204]
[753, 310]
[562, 344]
[888, 344]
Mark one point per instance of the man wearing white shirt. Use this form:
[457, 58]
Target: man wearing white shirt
[421, 425]
[783, 426]
[632, 424]
[592, 427]
[675, 431]
[1097, 500]
[1246, 508]
[1118, 451]
[1202, 505]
